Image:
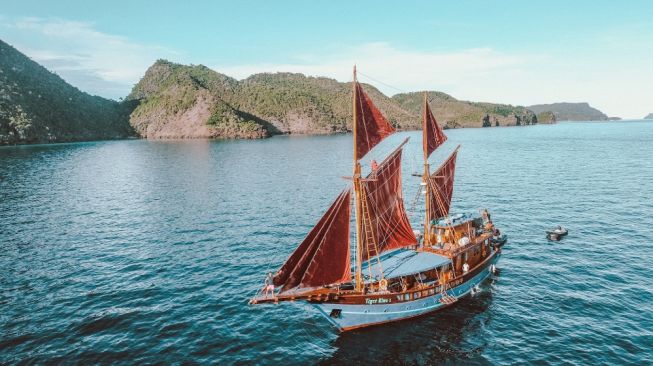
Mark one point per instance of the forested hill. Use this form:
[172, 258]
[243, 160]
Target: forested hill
[181, 101]
[454, 113]
[194, 101]
[37, 106]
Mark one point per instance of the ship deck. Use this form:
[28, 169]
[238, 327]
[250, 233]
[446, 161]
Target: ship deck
[401, 262]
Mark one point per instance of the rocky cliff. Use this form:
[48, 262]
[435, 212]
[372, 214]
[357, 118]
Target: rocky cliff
[38, 106]
[649, 116]
[180, 101]
[546, 117]
[195, 101]
[571, 111]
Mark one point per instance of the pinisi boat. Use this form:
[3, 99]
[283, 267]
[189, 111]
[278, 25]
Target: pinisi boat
[397, 274]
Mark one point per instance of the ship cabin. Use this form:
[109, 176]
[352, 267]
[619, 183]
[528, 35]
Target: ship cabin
[464, 238]
[460, 244]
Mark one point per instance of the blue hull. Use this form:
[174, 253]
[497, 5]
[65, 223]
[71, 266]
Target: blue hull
[358, 316]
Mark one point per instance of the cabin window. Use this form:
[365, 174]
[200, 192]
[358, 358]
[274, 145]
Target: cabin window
[400, 297]
[416, 295]
[425, 293]
[336, 313]
[406, 297]
[431, 291]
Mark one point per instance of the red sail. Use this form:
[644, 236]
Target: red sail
[323, 257]
[442, 187]
[371, 127]
[432, 134]
[387, 219]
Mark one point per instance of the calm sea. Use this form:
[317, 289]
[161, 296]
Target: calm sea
[147, 251]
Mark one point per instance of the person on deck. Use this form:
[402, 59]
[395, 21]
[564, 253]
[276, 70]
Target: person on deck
[269, 285]
[404, 284]
[375, 166]
[432, 230]
[465, 267]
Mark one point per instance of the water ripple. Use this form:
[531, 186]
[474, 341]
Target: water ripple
[147, 251]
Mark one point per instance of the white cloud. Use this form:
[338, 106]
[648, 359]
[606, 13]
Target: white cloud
[611, 73]
[96, 62]
[481, 74]
[400, 70]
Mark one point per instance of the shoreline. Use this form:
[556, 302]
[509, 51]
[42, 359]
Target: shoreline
[36, 143]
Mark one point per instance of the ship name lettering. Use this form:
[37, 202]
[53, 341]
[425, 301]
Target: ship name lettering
[380, 300]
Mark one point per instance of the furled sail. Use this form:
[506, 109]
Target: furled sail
[387, 226]
[371, 126]
[441, 186]
[432, 135]
[323, 257]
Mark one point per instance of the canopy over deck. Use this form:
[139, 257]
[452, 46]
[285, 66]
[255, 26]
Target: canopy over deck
[455, 220]
[403, 262]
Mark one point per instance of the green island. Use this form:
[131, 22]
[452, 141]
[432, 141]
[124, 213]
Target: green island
[193, 101]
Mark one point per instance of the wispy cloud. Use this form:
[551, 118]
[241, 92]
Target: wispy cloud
[96, 62]
[605, 71]
[484, 74]
[401, 70]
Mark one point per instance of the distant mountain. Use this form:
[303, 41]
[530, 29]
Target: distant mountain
[454, 113]
[571, 111]
[194, 101]
[37, 106]
[649, 116]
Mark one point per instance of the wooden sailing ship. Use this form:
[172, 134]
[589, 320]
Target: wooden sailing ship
[397, 275]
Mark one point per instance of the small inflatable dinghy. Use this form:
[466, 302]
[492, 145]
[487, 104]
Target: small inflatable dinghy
[557, 233]
[499, 241]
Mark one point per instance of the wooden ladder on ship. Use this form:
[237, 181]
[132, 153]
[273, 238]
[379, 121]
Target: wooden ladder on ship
[415, 201]
[446, 298]
[370, 240]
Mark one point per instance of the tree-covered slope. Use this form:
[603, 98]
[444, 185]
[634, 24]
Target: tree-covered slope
[37, 106]
[454, 113]
[194, 101]
[176, 101]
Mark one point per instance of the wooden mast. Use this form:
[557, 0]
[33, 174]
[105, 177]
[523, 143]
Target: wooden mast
[426, 176]
[357, 192]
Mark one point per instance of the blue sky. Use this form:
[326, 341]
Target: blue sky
[516, 52]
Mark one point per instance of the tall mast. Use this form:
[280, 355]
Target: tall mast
[426, 176]
[357, 192]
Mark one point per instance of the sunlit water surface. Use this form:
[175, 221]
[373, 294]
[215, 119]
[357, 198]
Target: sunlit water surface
[147, 251]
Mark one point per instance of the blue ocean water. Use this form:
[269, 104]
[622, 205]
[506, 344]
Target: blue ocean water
[147, 251]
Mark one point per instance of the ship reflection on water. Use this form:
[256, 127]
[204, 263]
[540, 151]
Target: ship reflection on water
[455, 333]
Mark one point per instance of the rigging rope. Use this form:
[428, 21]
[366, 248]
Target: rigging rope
[381, 82]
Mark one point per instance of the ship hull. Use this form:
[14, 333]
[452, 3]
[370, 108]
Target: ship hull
[354, 316]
